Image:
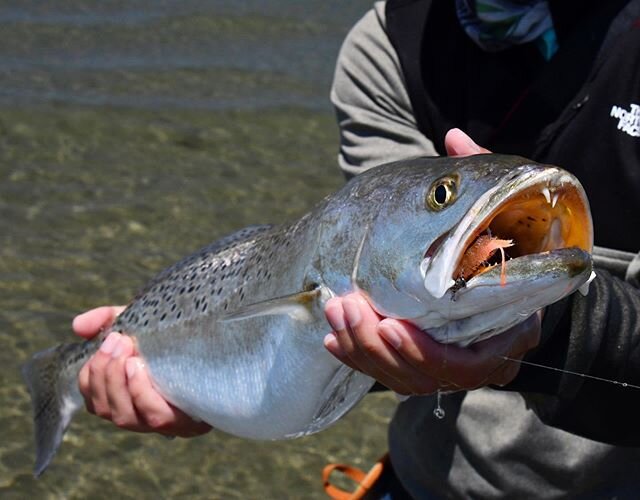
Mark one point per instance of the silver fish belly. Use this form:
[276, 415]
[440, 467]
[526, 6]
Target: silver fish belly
[233, 335]
[247, 323]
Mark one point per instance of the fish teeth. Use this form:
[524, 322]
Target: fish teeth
[555, 233]
[552, 200]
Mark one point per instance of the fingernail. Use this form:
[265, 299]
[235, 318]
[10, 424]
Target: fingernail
[335, 313]
[110, 342]
[330, 340]
[132, 366]
[80, 317]
[472, 145]
[117, 350]
[337, 323]
[352, 312]
[389, 332]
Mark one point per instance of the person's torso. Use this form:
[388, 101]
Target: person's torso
[581, 111]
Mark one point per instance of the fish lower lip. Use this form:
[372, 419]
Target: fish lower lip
[569, 262]
[532, 282]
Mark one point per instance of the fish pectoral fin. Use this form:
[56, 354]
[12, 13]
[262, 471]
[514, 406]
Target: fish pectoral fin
[299, 306]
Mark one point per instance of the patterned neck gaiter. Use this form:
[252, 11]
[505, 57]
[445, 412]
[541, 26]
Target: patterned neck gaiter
[496, 25]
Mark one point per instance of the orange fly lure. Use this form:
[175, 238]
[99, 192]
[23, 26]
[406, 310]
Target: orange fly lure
[477, 255]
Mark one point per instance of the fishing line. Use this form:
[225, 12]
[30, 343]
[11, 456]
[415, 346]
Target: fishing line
[438, 411]
[584, 375]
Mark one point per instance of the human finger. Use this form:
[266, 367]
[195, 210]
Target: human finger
[484, 363]
[334, 313]
[123, 413]
[155, 412]
[368, 351]
[466, 368]
[333, 346]
[90, 323]
[457, 143]
[422, 353]
[342, 344]
[85, 386]
[98, 365]
[505, 372]
[511, 348]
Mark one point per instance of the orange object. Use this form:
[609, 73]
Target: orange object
[476, 256]
[503, 269]
[364, 481]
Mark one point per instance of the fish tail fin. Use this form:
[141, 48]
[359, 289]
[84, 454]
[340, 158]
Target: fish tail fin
[51, 377]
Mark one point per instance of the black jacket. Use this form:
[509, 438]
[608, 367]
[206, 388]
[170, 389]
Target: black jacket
[581, 111]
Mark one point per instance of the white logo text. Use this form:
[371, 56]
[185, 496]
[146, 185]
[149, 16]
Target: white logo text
[628, 121]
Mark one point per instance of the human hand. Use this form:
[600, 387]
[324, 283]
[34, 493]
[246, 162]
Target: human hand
[116, 386]
[409, 361]
[406, 359]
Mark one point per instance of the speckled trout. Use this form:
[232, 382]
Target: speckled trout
[233, 334]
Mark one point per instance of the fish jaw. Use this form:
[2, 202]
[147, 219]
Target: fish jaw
[540, 208]
[543, 213]
[486, 306]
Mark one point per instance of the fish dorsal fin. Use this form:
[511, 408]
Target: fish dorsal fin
[238, 236]
[242, 235]
[299, 306]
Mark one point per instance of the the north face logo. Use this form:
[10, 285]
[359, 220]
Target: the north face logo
[628, 121]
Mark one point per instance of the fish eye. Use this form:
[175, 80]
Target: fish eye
[442, 193]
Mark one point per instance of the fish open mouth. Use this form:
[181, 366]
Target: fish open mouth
[521, 245]
[538, 219]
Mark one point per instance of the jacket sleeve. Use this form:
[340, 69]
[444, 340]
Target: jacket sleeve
[374, 113]
[598, 335]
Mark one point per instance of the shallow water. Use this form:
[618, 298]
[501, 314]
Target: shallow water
[132, 133]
